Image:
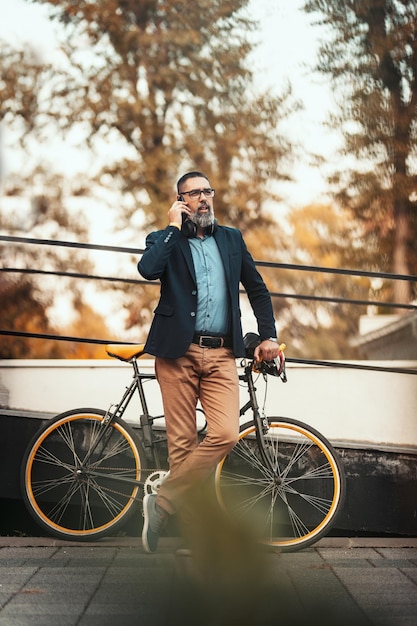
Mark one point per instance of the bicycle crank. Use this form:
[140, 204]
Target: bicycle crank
[154, 481]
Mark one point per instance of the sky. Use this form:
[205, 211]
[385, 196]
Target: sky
[286, 43]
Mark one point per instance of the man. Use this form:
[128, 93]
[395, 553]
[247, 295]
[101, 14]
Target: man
[196, 335]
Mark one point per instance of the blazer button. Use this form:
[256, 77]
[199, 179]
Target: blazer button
[192, 314]
[194, 292]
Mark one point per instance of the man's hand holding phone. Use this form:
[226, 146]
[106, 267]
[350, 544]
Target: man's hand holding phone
[178, 212]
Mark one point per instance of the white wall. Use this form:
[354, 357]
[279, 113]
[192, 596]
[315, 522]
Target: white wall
[353, 407]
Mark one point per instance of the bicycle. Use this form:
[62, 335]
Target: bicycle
[86, 469]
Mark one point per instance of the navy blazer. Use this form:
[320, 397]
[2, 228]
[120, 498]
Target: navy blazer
[168, 258]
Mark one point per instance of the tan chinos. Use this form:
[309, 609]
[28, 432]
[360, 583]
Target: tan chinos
[208, 375]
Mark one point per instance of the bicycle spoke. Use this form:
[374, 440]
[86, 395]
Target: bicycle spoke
[107, 498]
[66, 434]
[316, 501]
[245, 503]
[299, 451]
[249, 455]
[299, 528]
[82, 480]
[294, 498]
[57, 512]
[323, 472]
[118, 448]
[46, 456]
[42, 487]
[231, 479]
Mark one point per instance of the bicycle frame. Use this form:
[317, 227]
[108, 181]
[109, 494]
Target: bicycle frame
[260, 421]
[150, 441]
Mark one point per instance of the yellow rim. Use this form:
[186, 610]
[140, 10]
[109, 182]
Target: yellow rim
[336, 480]
[28, 472]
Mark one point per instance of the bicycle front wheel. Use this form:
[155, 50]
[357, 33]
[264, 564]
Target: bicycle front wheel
[293, 499]
[80, 475]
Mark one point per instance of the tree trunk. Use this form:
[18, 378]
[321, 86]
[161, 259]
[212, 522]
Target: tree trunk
[402, 288]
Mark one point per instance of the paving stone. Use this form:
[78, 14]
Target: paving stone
[411, 573]
[398, 553]
[395, 563]
[41, 608]
[388, 602]
[118, 584]
[375, 578]
[126, 620]
[87, 553]
[349, 554]
[40, 620]
[35, 596]
[70, 573]
[17, 574]
[353, 563]
[27, 552]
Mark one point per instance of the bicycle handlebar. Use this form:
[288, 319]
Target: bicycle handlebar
[276, 367]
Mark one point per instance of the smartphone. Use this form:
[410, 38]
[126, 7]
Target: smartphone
[184, 216]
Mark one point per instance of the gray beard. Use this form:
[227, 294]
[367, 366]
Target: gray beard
[202, 220]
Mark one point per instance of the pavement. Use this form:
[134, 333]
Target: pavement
[338, 581]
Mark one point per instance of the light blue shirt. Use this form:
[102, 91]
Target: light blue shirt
[212, 298]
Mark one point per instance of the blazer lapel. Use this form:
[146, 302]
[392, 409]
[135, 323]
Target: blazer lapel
[185, 249]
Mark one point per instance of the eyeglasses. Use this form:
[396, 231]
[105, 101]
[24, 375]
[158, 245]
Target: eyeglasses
[196, 193]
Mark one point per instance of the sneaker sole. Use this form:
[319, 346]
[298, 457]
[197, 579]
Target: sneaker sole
[146, 525]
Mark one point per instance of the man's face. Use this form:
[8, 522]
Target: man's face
[201, 207]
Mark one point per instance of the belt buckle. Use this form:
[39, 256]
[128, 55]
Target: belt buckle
[206, 338]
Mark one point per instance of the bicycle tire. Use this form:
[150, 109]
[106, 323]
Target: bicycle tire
[78, 500]
[293, 505]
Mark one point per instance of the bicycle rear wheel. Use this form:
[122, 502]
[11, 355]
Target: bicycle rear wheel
[78, 474]
[295, 501]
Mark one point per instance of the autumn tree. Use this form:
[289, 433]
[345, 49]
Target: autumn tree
[315, 316]
[36, 203]
[167, 83]
[23, 309]
[370, 55]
